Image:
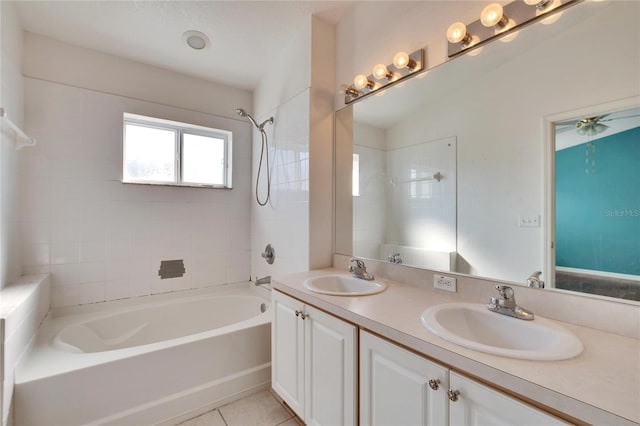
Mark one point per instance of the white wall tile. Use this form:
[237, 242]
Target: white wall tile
[106, 235]
[35, 254]
[65, 253]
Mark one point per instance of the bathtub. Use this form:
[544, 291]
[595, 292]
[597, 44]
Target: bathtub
[156, 360]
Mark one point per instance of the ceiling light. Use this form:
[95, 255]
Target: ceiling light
[196, 40]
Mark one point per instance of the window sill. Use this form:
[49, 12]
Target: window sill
[179, 185]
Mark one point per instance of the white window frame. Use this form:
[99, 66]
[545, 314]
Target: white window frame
[179, 130]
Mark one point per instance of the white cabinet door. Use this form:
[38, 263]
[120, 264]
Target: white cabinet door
[394, 386]
[287, 351]
[330, 370]
[478, 404]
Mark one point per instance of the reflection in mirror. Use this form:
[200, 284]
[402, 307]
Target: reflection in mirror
[492, 107]
[597, 204]
[404, 199]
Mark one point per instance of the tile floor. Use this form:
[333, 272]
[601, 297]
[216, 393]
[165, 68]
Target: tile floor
[259, 409]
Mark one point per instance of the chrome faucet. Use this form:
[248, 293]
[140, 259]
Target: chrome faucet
[359, 270]
[394, 258]
[506, 304]
[535, 281]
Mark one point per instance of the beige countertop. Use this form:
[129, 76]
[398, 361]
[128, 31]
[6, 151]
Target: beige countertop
[600, 386]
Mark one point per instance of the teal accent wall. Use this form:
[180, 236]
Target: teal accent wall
[598, 214]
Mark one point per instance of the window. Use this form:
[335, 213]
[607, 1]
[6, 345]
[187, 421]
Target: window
[164, 152]
[355, 188]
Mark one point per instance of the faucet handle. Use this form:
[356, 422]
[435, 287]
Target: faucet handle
[505, 291]
[359, 263]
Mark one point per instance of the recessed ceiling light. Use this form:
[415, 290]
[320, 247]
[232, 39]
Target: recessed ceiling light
[196, 39]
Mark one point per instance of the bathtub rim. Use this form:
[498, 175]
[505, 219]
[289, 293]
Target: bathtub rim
[63, 311]
[42, 359]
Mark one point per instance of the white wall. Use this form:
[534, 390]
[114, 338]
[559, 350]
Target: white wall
[11, 99]
[101, 239]
[300, 149]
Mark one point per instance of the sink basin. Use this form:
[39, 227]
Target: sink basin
[343, 285]
[473, 326]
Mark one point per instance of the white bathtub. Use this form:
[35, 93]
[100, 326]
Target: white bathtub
[156, 360]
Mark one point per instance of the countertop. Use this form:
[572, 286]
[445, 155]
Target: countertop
[600, 386]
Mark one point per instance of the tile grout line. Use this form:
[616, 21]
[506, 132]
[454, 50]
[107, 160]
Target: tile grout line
[222, 417]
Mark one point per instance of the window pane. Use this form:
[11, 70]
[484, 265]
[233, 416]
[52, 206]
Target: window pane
[202, 159]
[356, 176]
[149, 154]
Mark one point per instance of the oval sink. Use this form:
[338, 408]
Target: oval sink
[343, 285]
[475, 327]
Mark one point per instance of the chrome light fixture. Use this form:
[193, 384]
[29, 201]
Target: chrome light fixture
[404, 65]
[539, 4]
[497, 21]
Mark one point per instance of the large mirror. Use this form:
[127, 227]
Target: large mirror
[450, 166]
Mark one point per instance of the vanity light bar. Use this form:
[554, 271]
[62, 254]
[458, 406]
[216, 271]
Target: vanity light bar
[403, 66]
[496, 21]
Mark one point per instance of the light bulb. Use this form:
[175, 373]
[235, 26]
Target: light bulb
[493, 15]
[402, 60]
[457, 33]
[380, 71]
[361, 81]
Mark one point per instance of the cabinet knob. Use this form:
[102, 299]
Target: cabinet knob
[303, 316]
[453, 395]
[434, 384]
[298, 313]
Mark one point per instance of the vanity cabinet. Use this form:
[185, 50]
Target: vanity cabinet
[477, 404]
[400, 387]
[313, 362]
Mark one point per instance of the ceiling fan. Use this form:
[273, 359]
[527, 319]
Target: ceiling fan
[589, 126]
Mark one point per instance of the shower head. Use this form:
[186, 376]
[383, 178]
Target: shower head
[243, 113]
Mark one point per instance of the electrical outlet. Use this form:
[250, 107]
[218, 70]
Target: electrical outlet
[443, 282]
[529, 221]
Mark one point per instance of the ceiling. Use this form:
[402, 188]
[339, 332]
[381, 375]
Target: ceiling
[245, 35]
[616, 122]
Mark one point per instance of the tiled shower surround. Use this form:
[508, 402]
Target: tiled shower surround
[101, 239]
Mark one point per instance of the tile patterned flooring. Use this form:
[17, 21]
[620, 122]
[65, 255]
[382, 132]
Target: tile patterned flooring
[258, 409]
